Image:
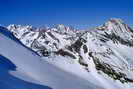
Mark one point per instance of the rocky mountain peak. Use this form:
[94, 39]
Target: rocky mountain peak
[115, 20]
[111, 24]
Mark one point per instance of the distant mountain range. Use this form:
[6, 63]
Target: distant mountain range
[62, 57]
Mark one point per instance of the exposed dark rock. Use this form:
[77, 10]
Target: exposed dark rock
[77, 45]
[81, 61]
[85, 48]
[47, 42]
[44, 53]
[65, 53]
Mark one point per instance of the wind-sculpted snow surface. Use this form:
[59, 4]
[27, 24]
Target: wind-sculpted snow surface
[100, 58]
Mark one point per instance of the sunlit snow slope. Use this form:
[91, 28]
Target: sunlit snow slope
[21, 68]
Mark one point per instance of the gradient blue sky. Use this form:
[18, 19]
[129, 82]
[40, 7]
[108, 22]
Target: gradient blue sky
[79, 13]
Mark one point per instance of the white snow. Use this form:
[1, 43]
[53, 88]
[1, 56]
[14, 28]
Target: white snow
[32, 73]
[21, 68]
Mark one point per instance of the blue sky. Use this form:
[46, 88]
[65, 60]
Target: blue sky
[79, 13]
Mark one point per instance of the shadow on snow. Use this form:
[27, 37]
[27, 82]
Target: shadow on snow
[8, 81]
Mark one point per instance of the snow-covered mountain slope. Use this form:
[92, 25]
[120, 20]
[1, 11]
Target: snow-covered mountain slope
[105, 46]
[23, 69]
[100, 58]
